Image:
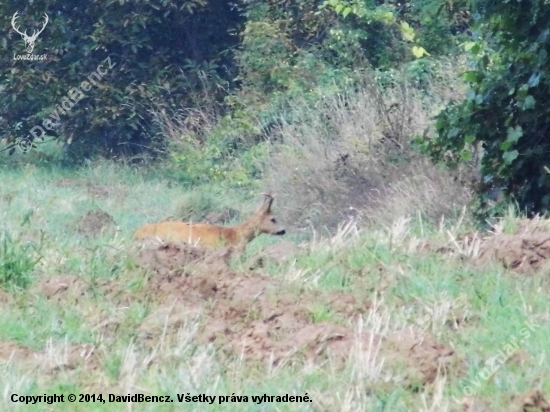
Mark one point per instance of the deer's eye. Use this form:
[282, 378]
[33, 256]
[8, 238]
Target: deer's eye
[273, 220]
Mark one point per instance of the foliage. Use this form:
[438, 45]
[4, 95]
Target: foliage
[158, 52]
[438, 23]
[254, 56]
[506, 109]
[429, 22]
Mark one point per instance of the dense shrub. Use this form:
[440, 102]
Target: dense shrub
[506, 108]
[151, 51]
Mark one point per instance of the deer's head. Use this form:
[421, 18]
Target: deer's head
[266, 221]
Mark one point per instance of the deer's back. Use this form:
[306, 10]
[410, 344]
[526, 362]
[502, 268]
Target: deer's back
[196, 234]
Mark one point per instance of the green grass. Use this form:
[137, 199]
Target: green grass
[411, 287]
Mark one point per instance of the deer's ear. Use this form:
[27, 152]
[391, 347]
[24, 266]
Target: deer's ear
[266, 207]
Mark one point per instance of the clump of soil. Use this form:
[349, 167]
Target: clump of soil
[523, 254]
[526, 251]
[95, 223]
[425, 357]
[169, 258]
[532, 401]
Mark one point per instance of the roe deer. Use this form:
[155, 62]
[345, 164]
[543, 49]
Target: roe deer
[211, 236]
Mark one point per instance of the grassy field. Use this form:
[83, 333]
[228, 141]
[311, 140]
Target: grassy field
[399, 317]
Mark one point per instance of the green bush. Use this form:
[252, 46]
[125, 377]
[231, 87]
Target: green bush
[133, 55]
[506, 107]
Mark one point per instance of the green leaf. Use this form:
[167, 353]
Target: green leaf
[407, 32]
[347, 11]
[471, 77]
[509, 157]
[466, 155]
[389, 18]
[419, 52]
[339, 8]
[454, 132]
[534, 80]
[513, 134]
[529, 103]
[505, 146]
[472, 47]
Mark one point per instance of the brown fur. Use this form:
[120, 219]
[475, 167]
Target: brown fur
[211, 236]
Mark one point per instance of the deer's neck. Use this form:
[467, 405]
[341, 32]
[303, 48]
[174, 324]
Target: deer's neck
[247, 231]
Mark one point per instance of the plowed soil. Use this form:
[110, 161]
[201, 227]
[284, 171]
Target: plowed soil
[257, 318]
[252, 316]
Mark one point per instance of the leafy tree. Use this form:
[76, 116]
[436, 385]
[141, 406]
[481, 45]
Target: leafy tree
[159, 52]
[507, 107]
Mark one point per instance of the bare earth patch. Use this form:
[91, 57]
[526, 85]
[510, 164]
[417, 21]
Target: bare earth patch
[11, 352]
[526, 251]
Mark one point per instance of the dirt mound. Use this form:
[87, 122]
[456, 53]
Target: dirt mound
[12, 352]
[95, 222]
[532, 401]
[526, 251]
[258, 318]
[425, 357]
[168, 259]
[521, 254]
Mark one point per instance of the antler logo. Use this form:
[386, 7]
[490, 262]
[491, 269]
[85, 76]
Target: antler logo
[29, 40]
